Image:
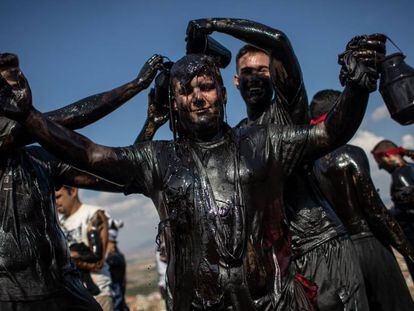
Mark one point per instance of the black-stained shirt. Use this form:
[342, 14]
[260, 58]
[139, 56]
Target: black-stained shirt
[312, 220]
[33, 250]
[214, 197]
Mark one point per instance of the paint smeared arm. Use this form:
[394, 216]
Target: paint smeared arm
[73, 148]
[382, 223]
[359, 75]
[89, 109]
[284, 66]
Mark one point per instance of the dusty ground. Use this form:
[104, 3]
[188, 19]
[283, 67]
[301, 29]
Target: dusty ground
[142, 283]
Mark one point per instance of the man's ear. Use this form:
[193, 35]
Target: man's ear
[73, 192]
[224, 94]
[236, 81]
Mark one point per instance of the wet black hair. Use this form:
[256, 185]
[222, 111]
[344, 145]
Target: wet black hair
[245, 50]
[8, 60]
[322, 102]
[185, 69]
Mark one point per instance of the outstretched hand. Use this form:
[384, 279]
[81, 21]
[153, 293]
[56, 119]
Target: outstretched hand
[15, 97]
[149, 70]
[361, 60]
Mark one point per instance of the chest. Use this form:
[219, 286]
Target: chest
[27, 189]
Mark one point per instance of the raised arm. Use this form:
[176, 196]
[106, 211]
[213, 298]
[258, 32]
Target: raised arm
[359, 75]
[67, 145]
[284, 66]
[90, 109]
[381, 222]
[158, 106]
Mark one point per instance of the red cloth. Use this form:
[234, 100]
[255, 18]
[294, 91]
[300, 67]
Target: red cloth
[310, 289]
[319, 120]
[399, 150]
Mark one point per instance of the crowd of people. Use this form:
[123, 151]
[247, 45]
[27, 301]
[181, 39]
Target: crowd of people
[276, 213]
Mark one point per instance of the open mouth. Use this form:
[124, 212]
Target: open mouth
[255, 91]
[200, 110]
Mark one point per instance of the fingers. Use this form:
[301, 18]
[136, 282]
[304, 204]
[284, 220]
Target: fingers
[370, 57]
[155, 60]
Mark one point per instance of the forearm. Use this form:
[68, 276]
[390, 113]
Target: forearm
[81, 179]
[147, 133]
[341, 123]
[388, 230]
[273, 41]
[95, 107]
[72, 147]
[78, 114]
[284, 66]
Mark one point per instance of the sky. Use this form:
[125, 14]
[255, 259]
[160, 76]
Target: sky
[69, 50]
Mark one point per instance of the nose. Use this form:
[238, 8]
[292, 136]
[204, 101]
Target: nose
[198, 101]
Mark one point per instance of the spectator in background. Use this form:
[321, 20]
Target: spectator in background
[86, 230]
[117, 266]
[161, 258]
[390, 157]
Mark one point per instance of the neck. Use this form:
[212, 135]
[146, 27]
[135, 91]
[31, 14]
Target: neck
[207, 135]
[256, 110]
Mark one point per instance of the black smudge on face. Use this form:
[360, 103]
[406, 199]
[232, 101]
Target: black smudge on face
[255, 88]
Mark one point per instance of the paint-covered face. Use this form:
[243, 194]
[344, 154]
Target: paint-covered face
[199, 105]
[253, 79]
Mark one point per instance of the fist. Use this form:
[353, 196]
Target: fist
[15, 96]
[201, 26]
[360, 62]
[149, 70]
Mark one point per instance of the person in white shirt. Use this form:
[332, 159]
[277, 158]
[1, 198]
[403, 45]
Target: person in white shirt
[86, 230]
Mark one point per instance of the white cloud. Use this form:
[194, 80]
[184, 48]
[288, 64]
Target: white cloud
[380, 113]
[366, 140]
[408, 141]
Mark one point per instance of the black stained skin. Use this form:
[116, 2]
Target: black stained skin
[34, 256]
[344, 178]
[80, 113]
[312, 219]
[402, 195]
[177, 177]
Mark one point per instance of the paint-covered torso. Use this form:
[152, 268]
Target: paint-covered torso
[206, 240]
[33, 252]
[312, 220]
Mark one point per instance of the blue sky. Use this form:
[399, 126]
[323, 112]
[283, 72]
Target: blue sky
[73, 49]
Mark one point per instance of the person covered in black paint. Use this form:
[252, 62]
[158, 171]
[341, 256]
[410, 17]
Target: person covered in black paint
[117, 266]
[215, 187]
[270, 81]
[344, 178]
[390, 157]
[36, 271]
